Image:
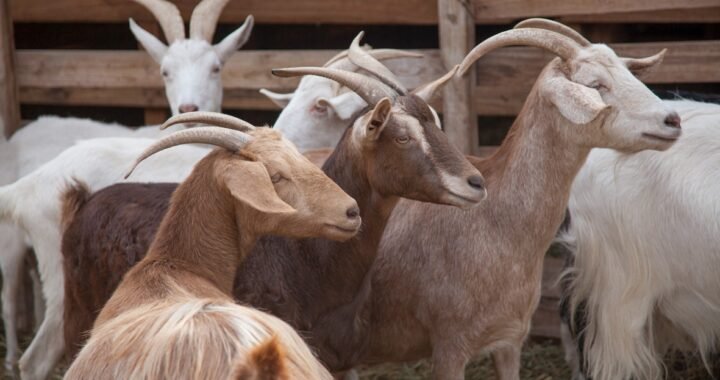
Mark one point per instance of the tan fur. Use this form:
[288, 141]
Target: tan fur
[214, 218]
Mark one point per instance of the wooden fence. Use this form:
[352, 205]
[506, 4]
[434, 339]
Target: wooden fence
[497, 87]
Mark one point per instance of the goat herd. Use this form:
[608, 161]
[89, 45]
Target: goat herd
[259, 265]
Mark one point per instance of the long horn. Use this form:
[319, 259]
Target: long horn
[369, 89]
[168, 16]
[341, 61]
[364, 60]
[427, 90]
[230, 140]
[643, 63]
[212, 118]
[556, 43]
[204, 19]
[543, 23]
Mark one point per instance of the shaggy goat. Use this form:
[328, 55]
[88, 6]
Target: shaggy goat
[390, 150]
[451, 284]
[258, 184]
[191, 73]
[645, 288]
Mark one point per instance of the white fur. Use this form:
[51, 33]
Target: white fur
[644, 230]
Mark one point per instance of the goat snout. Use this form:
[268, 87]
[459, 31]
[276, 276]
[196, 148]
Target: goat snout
[673, 120]
[188, 108]
[476, 182]
[353, 212]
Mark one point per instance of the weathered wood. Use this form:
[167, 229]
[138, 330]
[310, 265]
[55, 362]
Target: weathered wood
[357, 12]
[546, 320]
[154, 116]
[704, 15]
[457, 37]
[488, 10]
[9, 106]
[504, 77]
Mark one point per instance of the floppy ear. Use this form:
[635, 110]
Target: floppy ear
[235, 40]
[643, 66]
[281, 100]
[344, 105]
[250, 184]
[376, 122]
[577, 103]
[152, 45]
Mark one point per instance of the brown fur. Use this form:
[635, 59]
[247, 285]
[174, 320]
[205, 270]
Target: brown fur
[73, 198]
[304, 281]
[213, 220]
[265, 362]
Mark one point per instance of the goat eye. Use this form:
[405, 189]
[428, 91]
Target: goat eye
[402, 139]
[275, 178]
[597, 86]
[165, 73]
[216, 69]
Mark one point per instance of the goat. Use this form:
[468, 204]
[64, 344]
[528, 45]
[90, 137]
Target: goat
[451, 284]
[391, 149]
[257, 184]
[191, 73]
[642, 289]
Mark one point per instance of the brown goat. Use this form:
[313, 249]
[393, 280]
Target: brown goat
[172, 316]
[392, 149]
[451, 284]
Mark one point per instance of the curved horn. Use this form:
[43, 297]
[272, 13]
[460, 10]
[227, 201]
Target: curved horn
[212, 118]
[644, 63]
[543, 23]
[369, 89]
[556, 43]
[340, 61]
[426, 91]
[204, 19]
[168, 16]
[361, 58]
[230, 140]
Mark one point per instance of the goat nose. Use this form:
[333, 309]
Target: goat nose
[353, 212]
[188, 108]
[673, 120]
[476, 182]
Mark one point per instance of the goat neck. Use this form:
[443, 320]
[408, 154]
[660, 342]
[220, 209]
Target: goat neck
[532, 171]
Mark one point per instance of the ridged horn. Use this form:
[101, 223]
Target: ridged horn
[168, 16]
[230, 140]
[369, 89]
[543, 23]
[204, 19]
[362, 59]
[211, 118]
[554, 42]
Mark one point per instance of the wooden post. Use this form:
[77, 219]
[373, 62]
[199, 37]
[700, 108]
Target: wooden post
[457, 37]
[9, 106]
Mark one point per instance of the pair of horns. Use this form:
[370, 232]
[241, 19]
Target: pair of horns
[370, 89]
[552, 36]
[202, 22]
[227, 132]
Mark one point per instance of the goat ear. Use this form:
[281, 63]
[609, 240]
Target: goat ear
[281, 100]
[643, 66]
[378, 119]
[250, 185]
[152, 45]
[235, 40]
[577, 103]
[344, 105]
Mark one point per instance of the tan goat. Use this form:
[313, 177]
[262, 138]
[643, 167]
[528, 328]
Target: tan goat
[452, 284]
[176, 303]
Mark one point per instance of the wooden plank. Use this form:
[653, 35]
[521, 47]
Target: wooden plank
[131, 78]
[457, 37]
[154, 116]
[505, 77]
[699, 15]
[357, 12]
[9, 106]
[488, 10]
[546, 319]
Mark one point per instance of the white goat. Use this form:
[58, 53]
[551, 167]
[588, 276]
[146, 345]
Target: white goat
[644, 231]
[191, 72]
